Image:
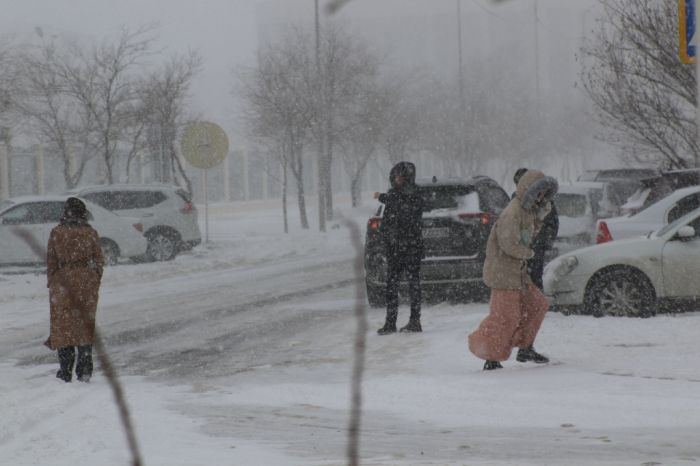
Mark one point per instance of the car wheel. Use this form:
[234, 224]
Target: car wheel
[376, 295]
[620, 293]
[161, 246]
[110, 251]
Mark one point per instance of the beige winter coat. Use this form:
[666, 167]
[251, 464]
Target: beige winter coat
[509, 244]
[74, 271]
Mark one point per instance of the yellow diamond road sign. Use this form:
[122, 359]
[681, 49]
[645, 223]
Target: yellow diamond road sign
[204, 144]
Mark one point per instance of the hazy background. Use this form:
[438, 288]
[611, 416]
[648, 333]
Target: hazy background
[413, 33]
[528, 46]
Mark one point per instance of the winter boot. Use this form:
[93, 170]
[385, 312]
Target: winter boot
[491, 365]
[388, 329]
[390, 324]
[529, 354]
[63, 375]
[412, 326]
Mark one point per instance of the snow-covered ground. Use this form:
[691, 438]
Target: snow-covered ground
[239, 353]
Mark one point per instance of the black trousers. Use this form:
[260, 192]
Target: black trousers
[66, 358]
[535, 266]
[397, 265]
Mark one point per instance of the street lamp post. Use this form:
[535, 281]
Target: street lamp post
[321, 171]
[460, 77]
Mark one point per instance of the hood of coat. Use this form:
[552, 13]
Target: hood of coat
[533, 184]
[405, 169]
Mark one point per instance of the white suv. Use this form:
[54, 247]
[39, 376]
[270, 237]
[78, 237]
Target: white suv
[168, 215]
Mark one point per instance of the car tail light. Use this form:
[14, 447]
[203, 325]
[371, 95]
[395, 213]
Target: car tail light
[482, 217]
[187, 208]
[373, 223]
[138, 227]
[603, 235]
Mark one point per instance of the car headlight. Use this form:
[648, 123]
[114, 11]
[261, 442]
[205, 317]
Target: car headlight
[565, 266]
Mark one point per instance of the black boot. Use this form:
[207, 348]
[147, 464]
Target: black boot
[491, 365]
[390, 324]
[413, 325]
[529, 354]
[83, 369]
[66, 358]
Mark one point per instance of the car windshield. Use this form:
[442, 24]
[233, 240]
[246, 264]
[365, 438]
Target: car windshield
[684, 219]
[570, 204]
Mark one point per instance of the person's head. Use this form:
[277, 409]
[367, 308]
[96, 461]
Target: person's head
[74, 208]
[518, 174]
[402, 174]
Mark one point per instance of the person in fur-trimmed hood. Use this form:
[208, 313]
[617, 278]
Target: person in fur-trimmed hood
[517, 306]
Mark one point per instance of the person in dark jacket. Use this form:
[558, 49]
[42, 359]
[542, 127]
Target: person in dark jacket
[74, 271]
[401, 233]
[543, 241]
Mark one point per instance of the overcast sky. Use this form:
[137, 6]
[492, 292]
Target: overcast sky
[226, 31]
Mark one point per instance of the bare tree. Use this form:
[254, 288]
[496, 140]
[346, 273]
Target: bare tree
[52, 114]
[402, 122]
[363, 121]
[643, 94]
[278, 108]
[346, 67]
[165, 93]
[103, 81]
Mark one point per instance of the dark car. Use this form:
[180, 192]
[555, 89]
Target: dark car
[457, 219]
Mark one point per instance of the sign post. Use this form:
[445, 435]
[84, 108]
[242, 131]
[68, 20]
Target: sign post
[204, 145]
[689, 18]
[686, 28]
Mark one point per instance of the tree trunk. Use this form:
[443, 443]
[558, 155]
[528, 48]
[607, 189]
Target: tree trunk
[355, 194]
[302, 205]
[284, 197]
[298, 171]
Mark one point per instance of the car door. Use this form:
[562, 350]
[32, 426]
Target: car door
[24, 231]
[681, 265]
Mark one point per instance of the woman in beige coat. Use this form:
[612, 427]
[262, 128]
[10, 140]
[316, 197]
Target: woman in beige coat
[517, 306]
[74, 271]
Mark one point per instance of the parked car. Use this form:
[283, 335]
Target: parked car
[661, 213]
[657, 187]
[457, 219]
[35, 216]
[579, 206]
[168, 215]
[617, 174]
[633, 277]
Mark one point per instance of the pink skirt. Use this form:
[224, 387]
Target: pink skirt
[514, 319]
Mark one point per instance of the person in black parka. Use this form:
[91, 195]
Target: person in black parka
[544, 240]
[401, 233]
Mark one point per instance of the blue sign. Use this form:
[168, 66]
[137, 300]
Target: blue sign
[686, 15]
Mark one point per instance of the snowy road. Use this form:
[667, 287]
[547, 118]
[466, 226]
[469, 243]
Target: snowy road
[240, 353]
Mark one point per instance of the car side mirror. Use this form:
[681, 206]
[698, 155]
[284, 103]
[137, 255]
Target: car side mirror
[685, 233]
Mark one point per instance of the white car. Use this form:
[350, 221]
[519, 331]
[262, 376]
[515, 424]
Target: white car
[33, 217]
[168, 214]
[578, 207]
[655, 216]
[632, 277]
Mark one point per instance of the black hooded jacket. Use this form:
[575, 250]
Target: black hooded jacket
[401, 227]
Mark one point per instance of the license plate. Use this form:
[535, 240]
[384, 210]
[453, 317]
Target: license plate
[436, 233]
